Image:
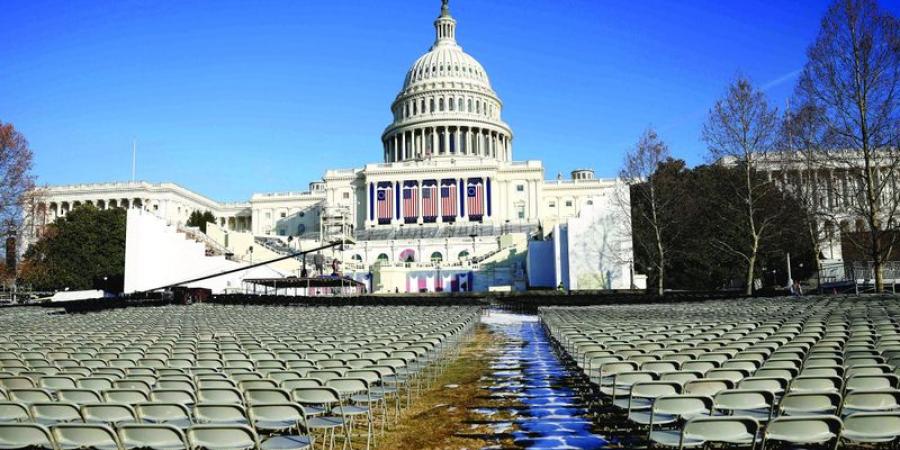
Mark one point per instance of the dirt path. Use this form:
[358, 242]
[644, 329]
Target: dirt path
[442, 416]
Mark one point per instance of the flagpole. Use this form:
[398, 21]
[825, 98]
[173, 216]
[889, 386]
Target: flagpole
[133, 158]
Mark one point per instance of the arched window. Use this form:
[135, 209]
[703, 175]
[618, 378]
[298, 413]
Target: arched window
[451, 104]
[470, 105]
[441, 104]
[461, 108]
[356, 258]
[437, 257]
[463, 255]
[590, 202]
[408, 255]
[383, 258]
[431, 109]
[478, 107]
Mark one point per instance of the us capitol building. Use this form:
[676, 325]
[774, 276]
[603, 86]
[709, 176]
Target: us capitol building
[447, 195]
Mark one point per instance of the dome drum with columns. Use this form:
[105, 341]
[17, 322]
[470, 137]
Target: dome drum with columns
[446, 106]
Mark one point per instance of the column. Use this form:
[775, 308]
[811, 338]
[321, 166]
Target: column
[446, 140]
[403, 151]
[433, 140]
[456, 140]
[396, 149]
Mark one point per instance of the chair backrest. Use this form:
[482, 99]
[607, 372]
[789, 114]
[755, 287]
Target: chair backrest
[809, 402]
[871, 382]
[805, 383]
[775, 385]
[348, 386]
[222, 436]
[30, 395]
[744, 400]
[14, 412]
[25, 435]
[807, 429]
[108, 413]
[316, 396]
[133, 436]
[683, 405]
[219, 413]
[872, 427]
[877, 400]
[55, 412]
[707, 386]
[728, 429]
[278, 412]
[79, 435]
[266, 395]
[127, 396]
[159, 412]
[220, 395]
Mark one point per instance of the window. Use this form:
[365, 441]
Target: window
[569, 203]
[436, 257]
[268, 215]
[521, 212]
[520, 188]
[283, 215]
[383, 258]
[552, 204]
[346, 195]
[590, 202]
[441, 104]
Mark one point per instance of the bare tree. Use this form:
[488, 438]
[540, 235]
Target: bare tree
[650, 199]
[853, 72]
[16, 180]
[805, 141]
[740, 130]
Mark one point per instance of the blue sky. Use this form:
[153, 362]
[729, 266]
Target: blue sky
[232, 97]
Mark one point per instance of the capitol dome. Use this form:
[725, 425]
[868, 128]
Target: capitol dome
[446, 106]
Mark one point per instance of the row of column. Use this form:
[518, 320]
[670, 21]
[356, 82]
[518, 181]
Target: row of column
[834, 188]
[461, 200]
[446, 140]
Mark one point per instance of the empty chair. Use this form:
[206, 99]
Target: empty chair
[707, 387]
[127, 396]
[870, 401]
[809, 403]
[680, 376]
[14, 412]
[270, 395]
[871, 428]
[78, 396]
[220, 414]
[80, 435]
[30, 395]
[754, 403]
[220, 395]
[108, 413]
[180, 396]
[802, 430]
[175, 414]
[644, 393]
[805, 383]
[51, 413]
[871, 382]
[95, 383]
[669, 409]
[700, 431]
[25, 435]
[290, 385]
[281, 418]
[155, 436]
[223, 437]
[775, 385]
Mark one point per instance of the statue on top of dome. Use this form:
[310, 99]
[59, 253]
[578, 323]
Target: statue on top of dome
[445, 8]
